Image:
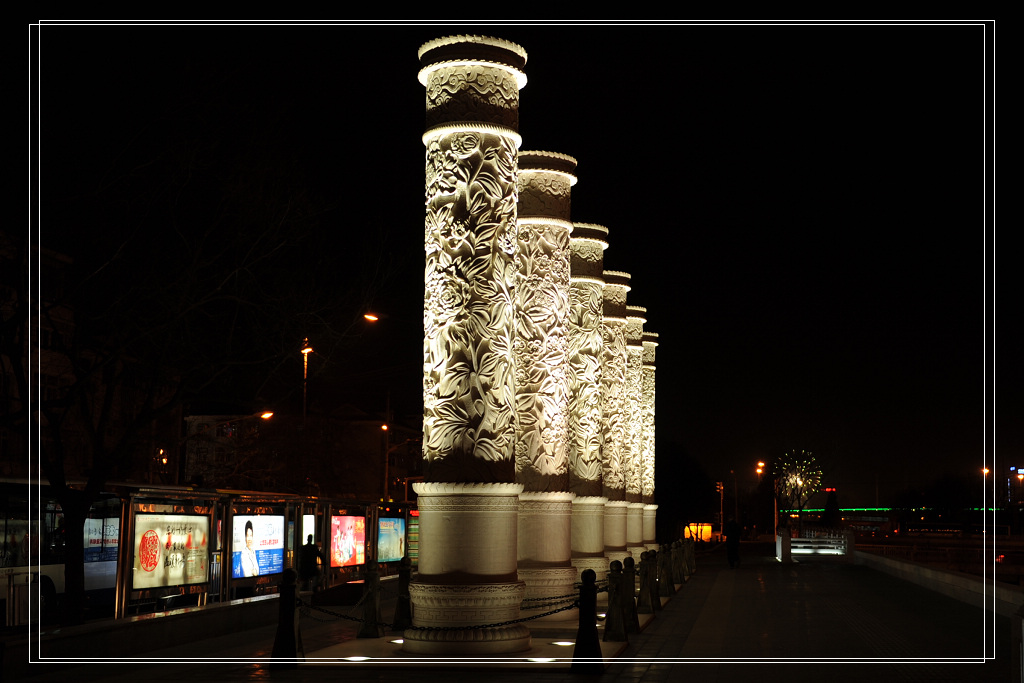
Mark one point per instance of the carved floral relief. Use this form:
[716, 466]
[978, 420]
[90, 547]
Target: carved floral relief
[540, 350]
[613, 384]
[473, 93]
[633, 453]
[469, 306]
[586, 349]
[648, 434]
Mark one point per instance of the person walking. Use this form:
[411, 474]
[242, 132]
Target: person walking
[732, 542]
[311, 561]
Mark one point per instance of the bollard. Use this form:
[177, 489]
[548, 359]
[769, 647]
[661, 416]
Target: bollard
[287, 640]
[614, 622]
[372, 622]
[687, 547]
[403, 607]
[643, 600]
[677, 563]
[665, 586]
[630, 615]
[586, 653]
[652, 579]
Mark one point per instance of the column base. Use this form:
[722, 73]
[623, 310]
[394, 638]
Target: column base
[650, 524]
[635, 550]
[548, 589]
[619, 554]
[460, 618]
[599, 564]
[469, 642]
[634, 525]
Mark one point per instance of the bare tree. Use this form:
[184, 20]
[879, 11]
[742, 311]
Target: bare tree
[195, 267]
[797, 478]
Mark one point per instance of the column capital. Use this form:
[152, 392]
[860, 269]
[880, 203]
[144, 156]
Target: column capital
[472, 79]
[616, 286]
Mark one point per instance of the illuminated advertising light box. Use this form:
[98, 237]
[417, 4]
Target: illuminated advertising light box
[257, 545]
[170, 550]
[308, 527]
[390, 539]
[101, 539]
[348, 540]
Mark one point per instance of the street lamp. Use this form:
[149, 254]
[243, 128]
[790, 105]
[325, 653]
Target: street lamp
[387, 450]
[775, 502]
[306, 350]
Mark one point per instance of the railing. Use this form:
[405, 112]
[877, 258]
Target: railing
[822, 542]
[928, 554]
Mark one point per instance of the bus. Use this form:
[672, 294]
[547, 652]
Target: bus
[33, 550]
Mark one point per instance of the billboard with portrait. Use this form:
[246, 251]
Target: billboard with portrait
[257, 545]
[390, 539]
[170, 550]
[348, 540]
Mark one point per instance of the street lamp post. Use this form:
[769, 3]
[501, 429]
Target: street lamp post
[306, 350]
[387, 454]
[721, 507]
[775, 514]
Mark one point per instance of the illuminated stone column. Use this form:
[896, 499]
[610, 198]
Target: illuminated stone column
[586, 349]
[650, 343]
[632, 456]
[614, 417]
[542, 384]
[469, 502]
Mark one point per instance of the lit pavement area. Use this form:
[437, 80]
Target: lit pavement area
[815, 620]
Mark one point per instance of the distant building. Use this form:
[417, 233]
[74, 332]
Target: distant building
[335, 455]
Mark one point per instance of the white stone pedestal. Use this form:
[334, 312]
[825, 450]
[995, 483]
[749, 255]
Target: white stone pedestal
[544, 588]
[650, 526]
[615, 530]
[588, 533]
[784, 547]
[635, 529]
[545, 555]
[467, 571]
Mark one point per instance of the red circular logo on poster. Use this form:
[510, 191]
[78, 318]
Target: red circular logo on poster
[149, 550]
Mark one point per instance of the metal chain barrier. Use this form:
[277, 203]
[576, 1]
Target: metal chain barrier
[503, 623]
[572, 596]
[308, 609]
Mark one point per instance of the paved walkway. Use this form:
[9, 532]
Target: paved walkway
[766, 621]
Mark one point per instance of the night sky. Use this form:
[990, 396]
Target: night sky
[802, 208]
